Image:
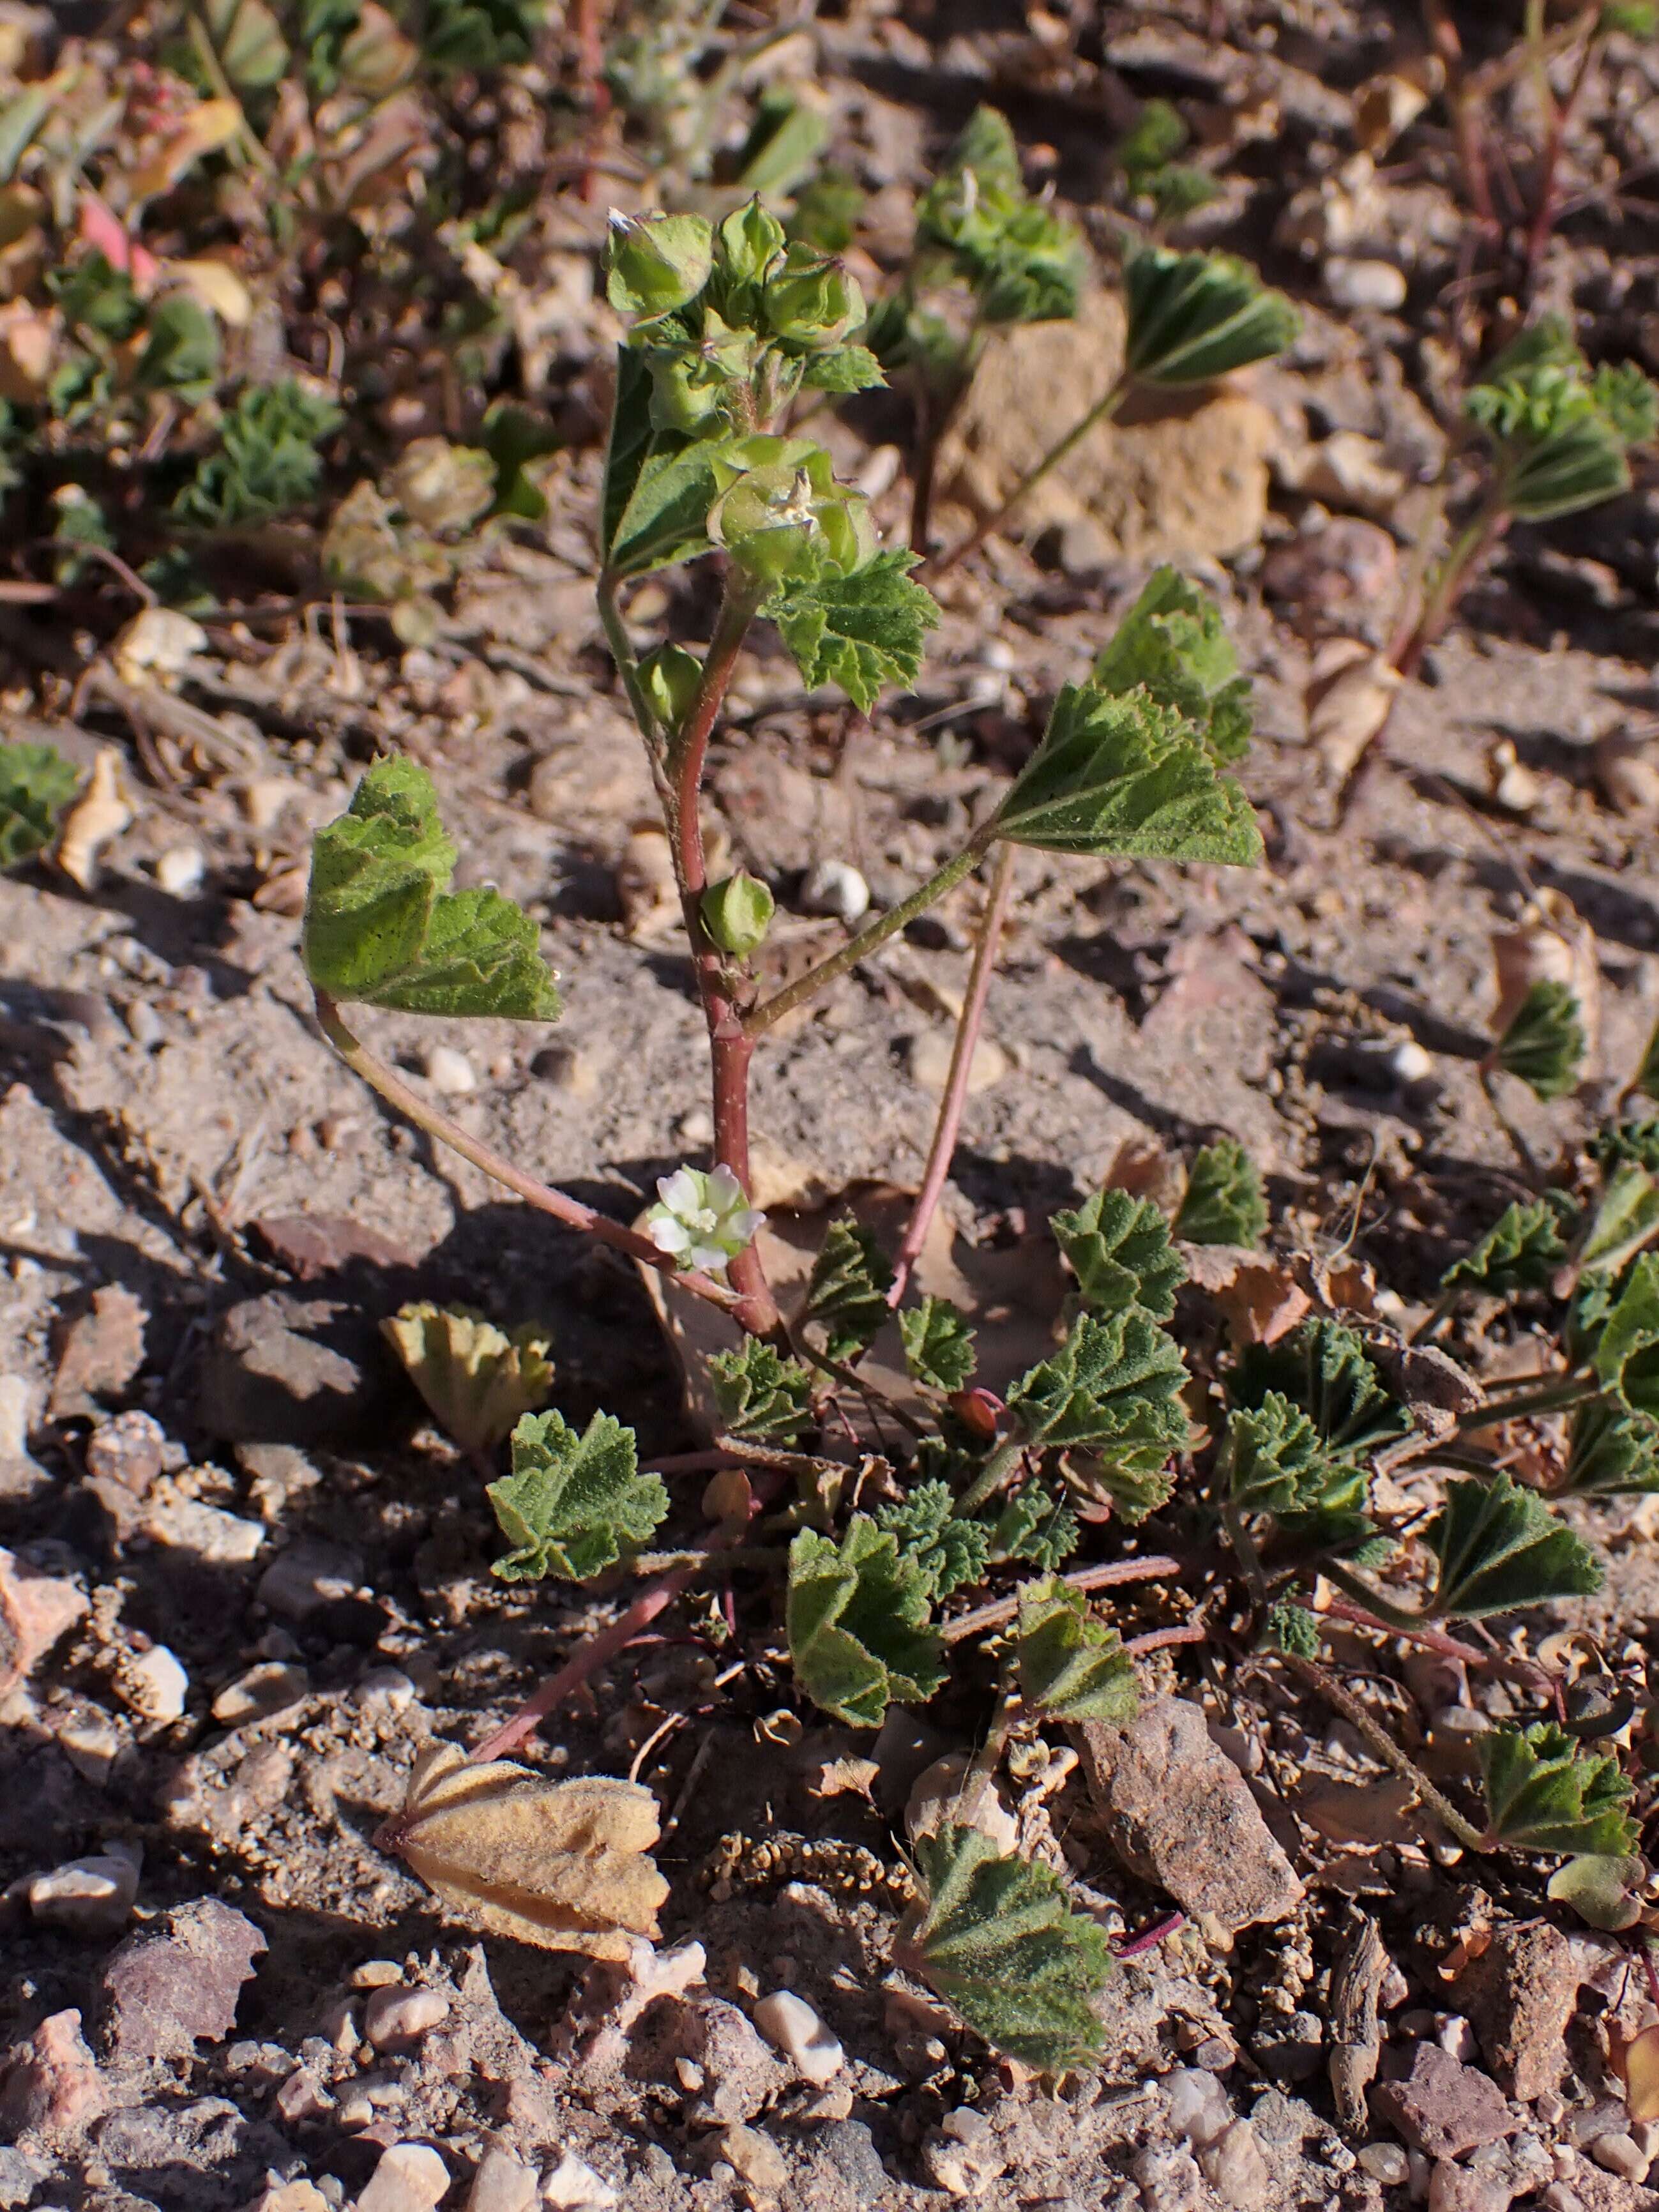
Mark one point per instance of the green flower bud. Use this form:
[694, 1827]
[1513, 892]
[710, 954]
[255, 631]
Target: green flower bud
[811, 300]
[783, 514]
[750, 241]
[656, 262]
[737, 912]
[685, 392]
[670, 678]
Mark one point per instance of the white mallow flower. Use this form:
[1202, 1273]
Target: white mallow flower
[702, 1219]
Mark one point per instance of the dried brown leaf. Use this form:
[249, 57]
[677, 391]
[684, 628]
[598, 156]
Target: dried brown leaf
[1260, 1300]
[1350, 696]
[1552, 943]
[1637, 2064]
[561, 1865]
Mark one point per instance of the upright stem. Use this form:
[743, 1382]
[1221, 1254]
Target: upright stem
[574, 1215]
[955, 1089]
[991, 1476]
[621, 652]
[806, 987]
[1471, 544]
[730, 1047]
[1103, 411]
[1560, 113]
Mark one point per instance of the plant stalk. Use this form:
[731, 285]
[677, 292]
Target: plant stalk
[1560, 113]
[1155, 1566]
[1102, 411]
[1553, 1399]
[991, 1476]
[944, 1145]
[1343, 1701]
[570, 1210]
[1470, 546]
[773, 1010]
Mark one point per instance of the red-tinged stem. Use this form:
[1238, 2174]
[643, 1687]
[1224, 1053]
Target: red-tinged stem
[1464, 102]
[956, 1088]
[1134, 1947]
[1467, 550]
[593, 91]
[731, 1047]
[1561, 114]
[1372, 1612]
[570, 1210]
[598, 1650]
[1153, 1568]
[1161, 1639]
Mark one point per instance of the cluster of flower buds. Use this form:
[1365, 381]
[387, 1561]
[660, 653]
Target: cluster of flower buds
[781, 515]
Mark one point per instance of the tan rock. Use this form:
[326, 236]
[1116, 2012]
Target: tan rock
[1185, 478]
[35, 1610]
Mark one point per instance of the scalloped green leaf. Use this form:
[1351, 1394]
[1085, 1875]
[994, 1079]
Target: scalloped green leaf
[761, 1397]
[1194, 317]
[478, 1380]
[381, 926]
[573, 1504]
[1115, 1378]
[1002, 1944]
[1521, 1251]
[1035, 1526]
[1119, 1248]
[860, 1634]
[1544, 1043]
[950, 1554]
[1610, 1453]
[1173, 644]
[938, 1345]
[1626, 1219]
[1499, 1547]
[1627, 1352]
[1323, 1368]
[860, 632]
[847, 1294]
[1071, 1666]
[36, 786]
[1545, 1792]
[1278, 1462]
[1223, 1202]
[1126, 776]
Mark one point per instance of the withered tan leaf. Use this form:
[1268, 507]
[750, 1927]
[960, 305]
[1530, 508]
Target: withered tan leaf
[101, 813]
[563, 1865]
[476, 1378]
[1350, 696]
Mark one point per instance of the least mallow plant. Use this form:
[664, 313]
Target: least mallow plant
[982, 1514]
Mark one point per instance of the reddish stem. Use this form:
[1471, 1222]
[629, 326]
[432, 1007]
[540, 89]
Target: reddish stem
[1154, 1567]
[955, 1089]
[593, 91]
[1549, 195]
[1149, 1939]
[1159, 1639]
[730, 1049]
[598, 1650]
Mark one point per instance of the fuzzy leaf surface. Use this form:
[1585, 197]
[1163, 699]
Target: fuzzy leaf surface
[1610, 1453]
[1544, 1043]
[848, 1291]
[1195, 316]
[1173, 644]
[476, 1379]
[1126, 776]
[1036, 1527]
[381, 926]
[761, 1397]
[1626, 1219]
[1545, 1792]
[1222, 1203]
[1114, 1380]
[1627, 1355]
[1119, 1250]
[1280, 1464]
[950, 1554]
[1323, 1367]
[938, 1345]
[1521, 1251]
[1500, 1547]
[1071, 1666]
[1001, 1943]
[860, 1634]
[36, 786]
[574, 1503]
[861, 632]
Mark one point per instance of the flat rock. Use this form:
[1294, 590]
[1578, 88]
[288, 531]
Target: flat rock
[177, 1983]
[308, 1576]
[1184, 481]
[90, 1897]
[305, 1371]
[1180, 1814]
[1520, 1994]
[1442, 2106]
[35, 1610]
[410, 2177]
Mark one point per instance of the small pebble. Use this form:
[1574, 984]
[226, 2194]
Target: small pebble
[410, 2178]
[1200, 2110]
[186, 1525]
[754, 2157]
[449, 1071]
[571, 2186]
[1236, 2167]
[834, 888]
[1620, 2155]
[181, 871]
[387, 1686]
[502, 2184]
[1364, 284]
[375, 1974]
[92, 1743]
[1384, 2162]
[395, 2017]
[264, 1690]
[927, 1062]
[795, 2030]
[144, 1025]
[91, 1897]
[1409, 1063]
[155, 1684]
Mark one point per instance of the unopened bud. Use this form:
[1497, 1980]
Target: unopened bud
[811, 300]
[750, 241]
[737, 912]
[656, 263]
[670, 678]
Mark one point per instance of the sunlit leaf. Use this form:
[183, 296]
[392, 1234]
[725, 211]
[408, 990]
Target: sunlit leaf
[761, 1397]
[1195, 316]
[1173, 642]
[860, 632]
[1222, 1203]
[859, 1635]
[574, 1502]
[1545, 1042]
[1119, 1248]
[1278, 1462]
[1035, 1526]
[36, 786]
[1610, 1453]
[1071, 1666]
[1115, 1376]
[476, 1378]
[1604, 1892]
[1499, 1547]
[938, 1345]
[1545, 1792]
[1001, 1943]
[382, 926]
[847, 1294]
[1627, 1353]
[949, 1553]
[1521, 1250]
